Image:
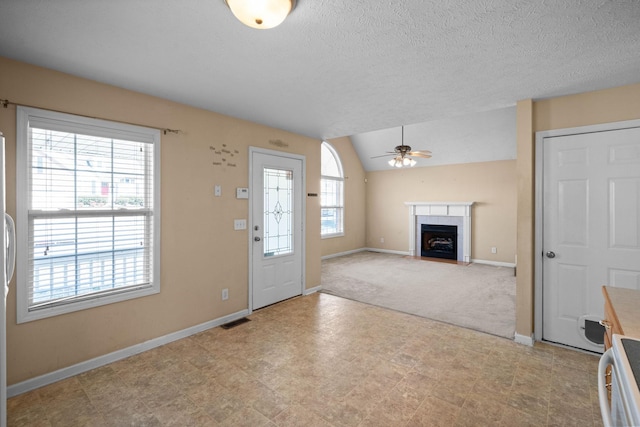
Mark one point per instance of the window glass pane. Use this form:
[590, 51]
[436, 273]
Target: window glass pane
[329, 164]
[330, 221]
[77, 256]
[94, 154]
[53, 237]
[331, 194]
[278, 212]
[94, 235]
[100, 174]
[130, 166]
[52, 173]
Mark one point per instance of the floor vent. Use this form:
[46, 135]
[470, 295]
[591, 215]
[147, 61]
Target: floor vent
[235, 323]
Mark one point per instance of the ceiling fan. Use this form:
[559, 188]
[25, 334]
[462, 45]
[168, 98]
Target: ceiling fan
[402, 154]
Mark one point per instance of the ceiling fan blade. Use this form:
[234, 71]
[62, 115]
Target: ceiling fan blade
[385, 155]
[419, 154]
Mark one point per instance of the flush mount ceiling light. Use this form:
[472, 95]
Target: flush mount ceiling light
[261, 14]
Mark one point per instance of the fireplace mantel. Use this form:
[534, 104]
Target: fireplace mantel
[441, 209]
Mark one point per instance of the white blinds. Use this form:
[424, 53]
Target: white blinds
[90, 212]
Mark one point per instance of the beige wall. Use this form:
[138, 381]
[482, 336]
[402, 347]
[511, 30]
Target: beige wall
[491, 185]
[603, 106]
[354, 201]
[201, 253]
[525, 213]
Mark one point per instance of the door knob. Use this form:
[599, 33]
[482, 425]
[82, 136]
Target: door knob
[257, 239]
[551, 254]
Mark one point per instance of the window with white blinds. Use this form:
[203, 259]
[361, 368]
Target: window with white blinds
[88, 212]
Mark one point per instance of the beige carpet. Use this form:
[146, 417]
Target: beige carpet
[474, 296]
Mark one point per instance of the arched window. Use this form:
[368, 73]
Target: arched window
[331, 192]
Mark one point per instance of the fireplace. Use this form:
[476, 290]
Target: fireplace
[441, 213]
[439, 241]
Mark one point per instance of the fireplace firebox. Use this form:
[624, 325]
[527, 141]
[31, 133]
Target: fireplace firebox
[440, 241]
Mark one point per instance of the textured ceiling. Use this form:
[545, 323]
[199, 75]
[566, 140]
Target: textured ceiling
[335, 67]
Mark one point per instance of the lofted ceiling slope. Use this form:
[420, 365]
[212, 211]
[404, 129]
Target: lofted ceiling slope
[335, 68]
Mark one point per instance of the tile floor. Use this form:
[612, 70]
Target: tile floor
[321, 360]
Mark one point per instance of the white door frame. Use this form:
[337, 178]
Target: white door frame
[251, 219]
[539, 189]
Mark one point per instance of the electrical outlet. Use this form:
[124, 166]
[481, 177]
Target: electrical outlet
[494, 250]
[225, 294]
[382, 240]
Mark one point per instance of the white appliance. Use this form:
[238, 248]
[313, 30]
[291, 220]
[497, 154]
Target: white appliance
[624, 358]
[7, 241]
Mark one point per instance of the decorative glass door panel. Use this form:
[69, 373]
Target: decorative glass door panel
[278, 212]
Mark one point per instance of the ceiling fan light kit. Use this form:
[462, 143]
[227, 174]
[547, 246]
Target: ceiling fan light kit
[400, 161]
[261, 14]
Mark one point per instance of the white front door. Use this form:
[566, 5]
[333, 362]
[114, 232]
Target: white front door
[591, 228]
[277, 233]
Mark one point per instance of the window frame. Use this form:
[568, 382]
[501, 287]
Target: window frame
[25, 117]
[339, 179]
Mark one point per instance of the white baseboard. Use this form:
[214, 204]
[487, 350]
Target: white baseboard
[523, 339]
[312, 290]
[60, 374]
[495, 263]
[343, 253]
[387, 251]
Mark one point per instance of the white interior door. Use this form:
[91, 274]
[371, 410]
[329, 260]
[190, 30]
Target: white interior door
[277, 232]
[591, 228]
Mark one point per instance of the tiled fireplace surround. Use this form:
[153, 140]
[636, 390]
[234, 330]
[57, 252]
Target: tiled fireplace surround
[442, 213]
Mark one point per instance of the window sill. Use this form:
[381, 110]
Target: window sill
[28, 316]
[331, 236]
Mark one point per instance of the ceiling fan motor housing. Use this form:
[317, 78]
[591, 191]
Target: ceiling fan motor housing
[402, 149]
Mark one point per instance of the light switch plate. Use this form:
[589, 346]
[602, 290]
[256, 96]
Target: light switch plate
[239, 224]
